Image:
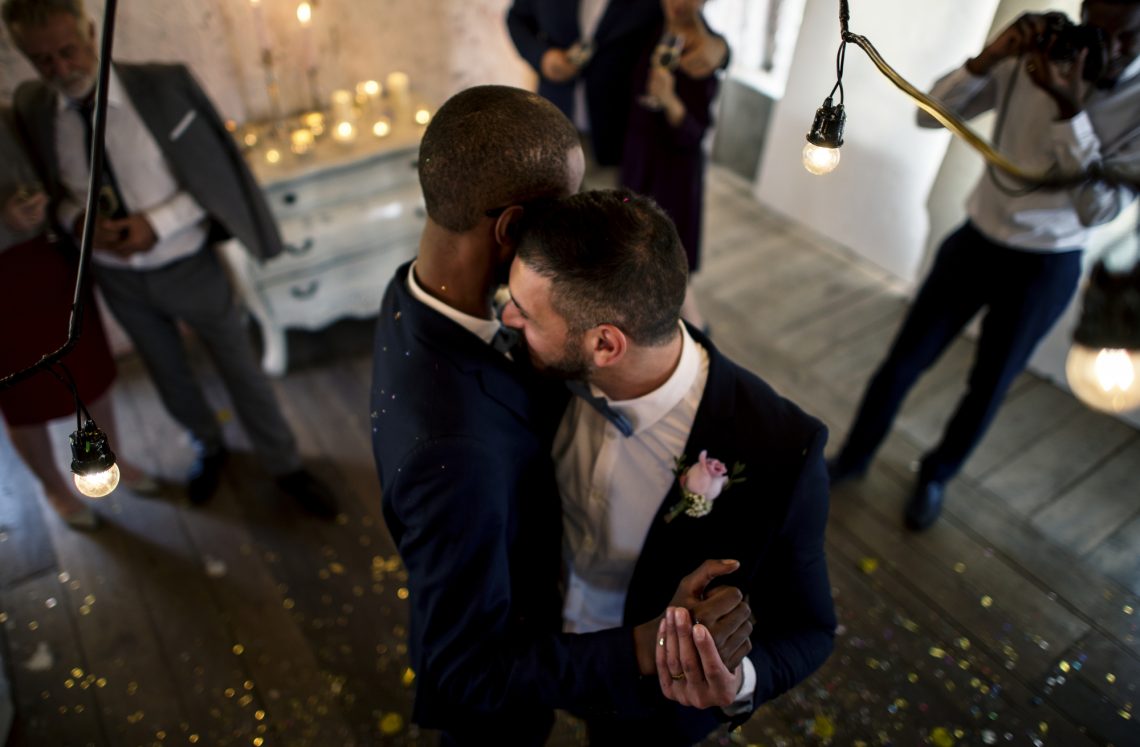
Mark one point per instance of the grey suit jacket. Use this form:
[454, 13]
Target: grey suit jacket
[203, 157]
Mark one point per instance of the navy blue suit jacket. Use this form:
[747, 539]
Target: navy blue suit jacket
[773, 523]
[625, 31]
[461, 438]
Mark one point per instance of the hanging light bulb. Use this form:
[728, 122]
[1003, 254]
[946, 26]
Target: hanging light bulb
[821, 153]
[1106, 378]
[92, 461]
[1103, 366]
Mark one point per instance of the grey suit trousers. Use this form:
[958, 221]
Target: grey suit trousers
[196, 290]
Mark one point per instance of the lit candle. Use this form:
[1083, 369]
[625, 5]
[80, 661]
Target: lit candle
[315, 121]
[368, 97]
[398, 92]
[344, 132]
[423, 115]
[259, 25]
[382, 127]
[305, 16]
[272, 155]
[342, 105]
[302, 141]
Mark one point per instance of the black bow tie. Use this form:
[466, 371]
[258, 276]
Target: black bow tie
[621, 422]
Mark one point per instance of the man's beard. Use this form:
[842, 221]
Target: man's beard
[75, 87]
[572, 365]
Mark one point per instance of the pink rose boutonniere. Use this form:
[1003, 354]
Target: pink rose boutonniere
[701, 483]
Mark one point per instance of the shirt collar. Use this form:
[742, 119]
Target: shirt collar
[484, 329]
[646, 410]
[115, 94]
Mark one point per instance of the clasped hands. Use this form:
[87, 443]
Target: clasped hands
[700, 640]
[122, 236]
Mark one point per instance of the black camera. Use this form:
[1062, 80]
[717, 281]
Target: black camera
[1062, 40]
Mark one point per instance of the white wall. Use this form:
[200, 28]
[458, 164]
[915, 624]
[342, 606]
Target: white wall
[443, 45]
[875, 201]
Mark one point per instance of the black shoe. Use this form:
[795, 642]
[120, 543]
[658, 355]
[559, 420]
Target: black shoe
[206, 476]
[313, 495]
[837, 472]
[925, 505]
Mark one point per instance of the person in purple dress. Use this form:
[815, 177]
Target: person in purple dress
[664, 155]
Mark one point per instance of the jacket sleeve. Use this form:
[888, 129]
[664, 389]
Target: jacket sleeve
[267, 235]
[529, 39]
[791, 600]
[1079, 148]
[964, 93]
[471, 654]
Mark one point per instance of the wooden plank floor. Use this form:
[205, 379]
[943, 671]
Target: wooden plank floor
[1013, 621]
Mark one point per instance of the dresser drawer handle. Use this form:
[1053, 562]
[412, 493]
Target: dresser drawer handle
[288, 198]
[296, 251]
[306, 291]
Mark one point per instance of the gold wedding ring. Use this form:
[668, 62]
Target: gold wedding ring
[680, 676]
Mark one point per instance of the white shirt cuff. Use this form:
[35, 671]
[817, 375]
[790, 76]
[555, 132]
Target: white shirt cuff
[743, 702]
[179, 212]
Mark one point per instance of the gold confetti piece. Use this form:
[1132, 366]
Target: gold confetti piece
[1110, 677]
[160, 735]
[936, 652]
[901, 703]
[238, 649]
[77, 673]
[248, 684]
[101, 682]
[824, 727]
[940, 737]
[1127, 716]
[3, 617]
[69, 683]
[259, 715]
[987, 601]
[193, 739]
[409, 677]
[33, 625]
[1128, 609]
[959, 567]
[229, 692]
[964, 644]
[258, 741]
[336, 568]
[85, 610]
[910, 625]
[132, 688]
[1043, 727]
[245, 700]
[401, 593]
[912, 678]
[288, 604]
[391, 724]
[1064, 666]
[869, 565]
[89, 599]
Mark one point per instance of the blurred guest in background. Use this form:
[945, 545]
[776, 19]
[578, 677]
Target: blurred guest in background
[1019, 254]
[664, 155]
[37, 286]
[174, 184]
[585, 53]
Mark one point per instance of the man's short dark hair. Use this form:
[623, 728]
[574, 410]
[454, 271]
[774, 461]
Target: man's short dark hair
[37, 12]
[490, 147]
[612, 257]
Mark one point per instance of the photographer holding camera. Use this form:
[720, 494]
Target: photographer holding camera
[1068, 100]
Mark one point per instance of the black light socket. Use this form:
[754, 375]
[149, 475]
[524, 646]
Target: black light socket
[827, 129]
[90, 450]
[1110, 315]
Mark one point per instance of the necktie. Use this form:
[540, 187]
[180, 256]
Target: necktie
[505, 340]
[621, 422]
[110, 197]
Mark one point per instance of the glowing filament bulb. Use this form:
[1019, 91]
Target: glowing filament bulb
[819, 160]
[98, 484]
[1104, 378]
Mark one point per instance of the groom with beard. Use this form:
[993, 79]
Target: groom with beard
[669, 454]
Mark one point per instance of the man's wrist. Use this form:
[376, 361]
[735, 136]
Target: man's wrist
[978, 66]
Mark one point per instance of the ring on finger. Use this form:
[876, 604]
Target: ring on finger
[680, 676]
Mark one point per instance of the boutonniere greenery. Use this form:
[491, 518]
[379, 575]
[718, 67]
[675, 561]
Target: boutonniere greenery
[701, 483]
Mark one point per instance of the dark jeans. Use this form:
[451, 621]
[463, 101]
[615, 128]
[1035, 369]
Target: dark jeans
[1023, 293]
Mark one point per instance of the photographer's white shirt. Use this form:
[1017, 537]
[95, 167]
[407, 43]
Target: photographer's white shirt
[1031, 136]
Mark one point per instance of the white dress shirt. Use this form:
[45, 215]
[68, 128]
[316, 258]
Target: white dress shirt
[145, 181]
[1032, 137]
[484, 329]
[612, 487]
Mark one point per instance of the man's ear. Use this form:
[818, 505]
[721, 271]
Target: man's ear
[507, 227]
[607, 345]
